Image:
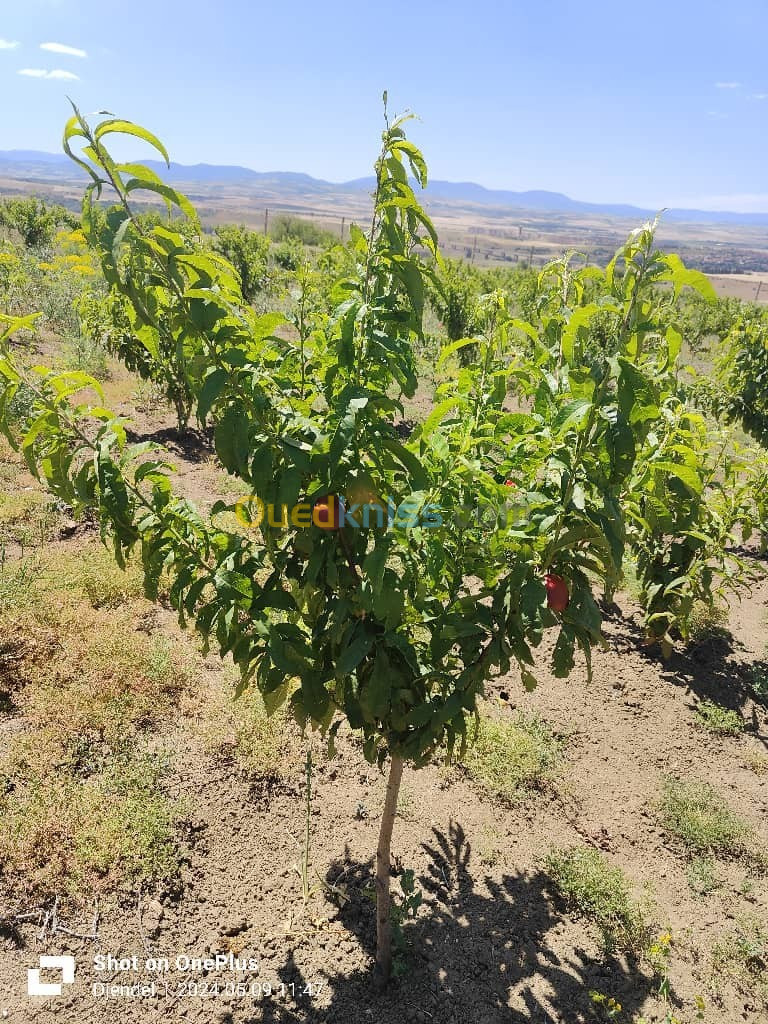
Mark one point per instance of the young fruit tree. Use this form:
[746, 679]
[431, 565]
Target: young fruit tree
[389, 617]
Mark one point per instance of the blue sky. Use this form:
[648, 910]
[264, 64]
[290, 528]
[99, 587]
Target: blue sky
[656, 103]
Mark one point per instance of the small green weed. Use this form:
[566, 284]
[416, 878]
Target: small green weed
[512, 758]
[757, 761]
[406, 803]
[27, 518]
[601, 893]
[702, 875]
[701, 819]
[741, 958]
[758, 680]
[490, 847]
[149, 397]
[707, 622]
[88, 355]
[404, 909]
[606, 1006]
[93, 573]
[719, 720]
[16, 579]
[264, 746]
[62, 834]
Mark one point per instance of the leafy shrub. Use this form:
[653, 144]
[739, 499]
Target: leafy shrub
[743, 368]
[151, 350]
[601, 893]
[456, 304]
[35, 220]
[20, 407]
[393, 631]
[703, 320]
[70, 271]
[285, 228]
[288, 254]
[248, 252]
[20, 279]
[691, 501]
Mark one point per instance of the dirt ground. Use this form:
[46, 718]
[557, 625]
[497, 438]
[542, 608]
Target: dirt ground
[491, 943]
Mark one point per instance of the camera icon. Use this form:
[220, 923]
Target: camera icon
[65, 964]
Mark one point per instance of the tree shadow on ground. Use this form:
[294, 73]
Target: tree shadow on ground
[193, 445]
[483, 950]
[711, 673]
[710, 670]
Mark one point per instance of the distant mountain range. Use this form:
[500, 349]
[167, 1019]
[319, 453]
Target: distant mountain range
[34, 166]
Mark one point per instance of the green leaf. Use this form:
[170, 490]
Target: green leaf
[454, 347]
[415, 158]
[438, 413]
[376, 690]
[375, 561]
[572, 414]
[231, 437]
[129, 128]
[354, 653]
[419, 477]
[579, 321]
[620, 442]
[212, 387]
[409, 273]
[562, 656]
[170, 195]
[687, 474]
[683, 277]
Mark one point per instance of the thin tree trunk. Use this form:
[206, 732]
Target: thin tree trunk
[383, 919]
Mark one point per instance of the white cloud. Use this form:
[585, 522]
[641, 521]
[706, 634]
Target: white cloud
[70, 51]
[727, 85]
[759, 96]
[6, 44]
[42, 73]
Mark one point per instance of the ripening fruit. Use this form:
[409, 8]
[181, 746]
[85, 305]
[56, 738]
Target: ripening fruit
[326, 513]
[510, 483]
[558, 596]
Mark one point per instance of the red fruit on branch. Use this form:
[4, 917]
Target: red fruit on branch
[558, 595]
[327, 513]
[510, 483]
